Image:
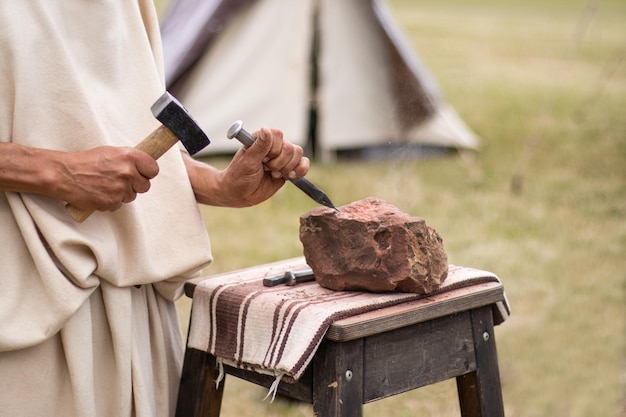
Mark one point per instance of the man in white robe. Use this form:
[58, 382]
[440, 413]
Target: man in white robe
[88, 325]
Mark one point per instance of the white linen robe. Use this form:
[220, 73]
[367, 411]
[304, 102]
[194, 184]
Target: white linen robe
[77, 337]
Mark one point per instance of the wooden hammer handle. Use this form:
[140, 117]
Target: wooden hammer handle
[158, 142]
[155, 144]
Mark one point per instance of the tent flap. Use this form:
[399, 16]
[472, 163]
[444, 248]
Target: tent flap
[273, 62]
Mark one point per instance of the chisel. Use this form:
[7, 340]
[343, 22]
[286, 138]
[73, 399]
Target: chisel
[237, 131]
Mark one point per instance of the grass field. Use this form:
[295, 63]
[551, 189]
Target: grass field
[542, 203]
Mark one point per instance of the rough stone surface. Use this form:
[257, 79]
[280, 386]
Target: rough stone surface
[371, 245]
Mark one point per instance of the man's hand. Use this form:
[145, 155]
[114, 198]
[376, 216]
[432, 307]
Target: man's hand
[98, 179]
[106, 177]
[254, 174]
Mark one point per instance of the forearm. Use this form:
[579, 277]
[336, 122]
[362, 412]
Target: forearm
[206, 182]
[28, 170]
[99, 179]
[203, 179]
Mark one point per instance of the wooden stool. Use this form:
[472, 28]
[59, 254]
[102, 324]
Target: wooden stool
[378, 354]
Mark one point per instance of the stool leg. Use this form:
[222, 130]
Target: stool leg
[338, 379]
[197, 394]
[212, 395]
[480, 392]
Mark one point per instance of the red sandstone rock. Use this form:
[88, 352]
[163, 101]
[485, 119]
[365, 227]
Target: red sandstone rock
[371, 245]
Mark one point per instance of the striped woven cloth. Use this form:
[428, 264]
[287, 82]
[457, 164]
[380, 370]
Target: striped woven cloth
[276, 330]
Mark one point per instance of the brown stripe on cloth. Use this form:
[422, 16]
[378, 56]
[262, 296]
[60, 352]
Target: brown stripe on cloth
[276, 330]
[293, 311]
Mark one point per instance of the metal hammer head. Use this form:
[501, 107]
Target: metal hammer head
[175, 117]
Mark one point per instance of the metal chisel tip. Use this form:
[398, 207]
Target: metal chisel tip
[237, 131]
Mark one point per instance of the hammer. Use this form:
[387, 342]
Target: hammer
[177, 125]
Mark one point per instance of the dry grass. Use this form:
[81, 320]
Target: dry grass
[548, 100]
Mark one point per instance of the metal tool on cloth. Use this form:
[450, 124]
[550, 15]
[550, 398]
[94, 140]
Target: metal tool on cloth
[237, 131]
[290, 278]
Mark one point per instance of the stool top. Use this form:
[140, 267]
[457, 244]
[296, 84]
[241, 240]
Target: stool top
[424, 309]
[277, 329]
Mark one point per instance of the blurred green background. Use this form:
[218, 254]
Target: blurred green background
[542, 203]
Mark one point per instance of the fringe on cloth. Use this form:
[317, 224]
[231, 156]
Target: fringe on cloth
[219, 362]
[274, 387]
[273, 390]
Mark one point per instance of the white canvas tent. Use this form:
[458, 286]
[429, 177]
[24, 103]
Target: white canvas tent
[334, 75]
